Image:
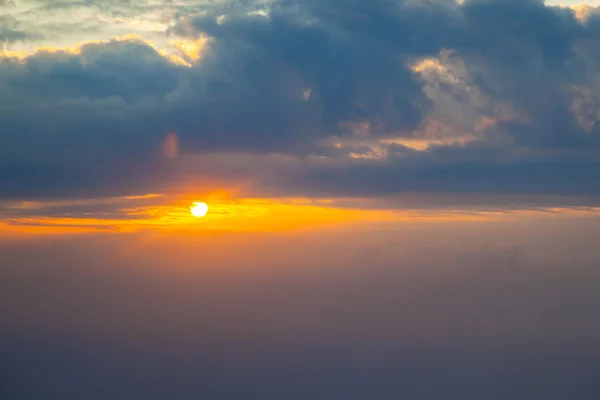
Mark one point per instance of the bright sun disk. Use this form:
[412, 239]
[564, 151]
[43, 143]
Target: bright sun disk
[199, 209]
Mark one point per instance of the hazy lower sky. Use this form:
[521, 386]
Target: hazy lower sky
[403, 199]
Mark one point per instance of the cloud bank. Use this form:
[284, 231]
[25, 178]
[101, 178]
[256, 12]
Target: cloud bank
[330, 98]
[442, 310]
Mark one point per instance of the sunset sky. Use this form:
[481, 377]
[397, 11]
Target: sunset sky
[403, 199]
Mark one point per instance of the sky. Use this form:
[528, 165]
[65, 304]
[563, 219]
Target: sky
[403, 199]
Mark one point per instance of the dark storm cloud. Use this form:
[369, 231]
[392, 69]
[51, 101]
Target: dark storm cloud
[351, 57]
[74, 121]
[523, 52]
[93, 122]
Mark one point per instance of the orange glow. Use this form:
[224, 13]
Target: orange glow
[154, 212]
[241, 215]
[251, 215]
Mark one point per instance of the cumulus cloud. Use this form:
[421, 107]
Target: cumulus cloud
[371, 98]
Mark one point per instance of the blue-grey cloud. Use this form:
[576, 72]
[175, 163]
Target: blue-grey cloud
[286, 77]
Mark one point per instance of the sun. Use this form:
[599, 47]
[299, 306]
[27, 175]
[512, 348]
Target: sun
[199, 209]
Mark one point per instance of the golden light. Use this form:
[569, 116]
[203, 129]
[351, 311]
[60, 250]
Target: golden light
[199, 209]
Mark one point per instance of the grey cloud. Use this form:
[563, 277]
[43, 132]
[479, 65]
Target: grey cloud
[94, 121]
[129, 71]
[352, 59]
[96, 66]
[7, 35]
[547, 177]
[12, 30]
[74, 121]
[529, 62]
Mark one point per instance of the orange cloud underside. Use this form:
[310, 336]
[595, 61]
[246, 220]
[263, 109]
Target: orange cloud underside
[248, 215]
